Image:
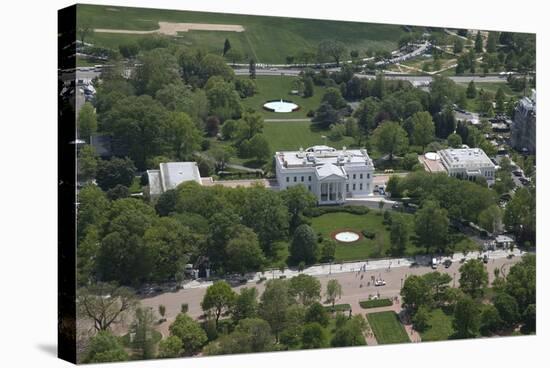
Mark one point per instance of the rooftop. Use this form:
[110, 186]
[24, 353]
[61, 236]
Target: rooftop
[172, 174]
[321, 155]
[465, 157]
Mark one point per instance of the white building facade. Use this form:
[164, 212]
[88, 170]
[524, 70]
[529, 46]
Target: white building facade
[468, 163]
[332, 175]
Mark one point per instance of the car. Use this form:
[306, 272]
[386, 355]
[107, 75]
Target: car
[379, 282]
[447, 263]
[396, 206]
[486, 259]
[434, 263]
[524, 181]
[381, 191]
[517, 173]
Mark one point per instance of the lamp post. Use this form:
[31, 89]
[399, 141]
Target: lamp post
[454, 276]
[401, 284]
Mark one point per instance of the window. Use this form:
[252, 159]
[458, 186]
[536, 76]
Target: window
[309, 178]
[309, 188]
[360, 176]
[360, 186]
[347, 187]
[287, 179]
[354, 176]
[353, 186]
[368, 175]
[295, 178]
[302, 179]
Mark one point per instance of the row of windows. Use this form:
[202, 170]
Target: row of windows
[360, 176]
[302, 178]
[354, 187]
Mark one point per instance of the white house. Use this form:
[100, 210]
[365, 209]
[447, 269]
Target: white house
[332, 175]
[170, 175]
[468, 163]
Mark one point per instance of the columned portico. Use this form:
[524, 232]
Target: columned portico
[331, 192]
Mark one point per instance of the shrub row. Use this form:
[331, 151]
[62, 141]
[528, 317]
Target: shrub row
[375, 303]
[318, 211]
[338, 308]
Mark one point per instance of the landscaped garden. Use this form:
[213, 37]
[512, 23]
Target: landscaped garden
[387, 328]
[375, 303]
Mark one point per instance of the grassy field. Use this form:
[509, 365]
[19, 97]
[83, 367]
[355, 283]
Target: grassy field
[364, 248]
[387, 328]
[274, 88]
[440, 326]
[268, 39]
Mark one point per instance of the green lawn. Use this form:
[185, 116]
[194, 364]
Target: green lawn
[277, 87]
[364, 248]
[440, 326]
[387, 328]
[268, 39]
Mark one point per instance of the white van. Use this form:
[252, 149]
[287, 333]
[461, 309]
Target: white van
[434, 263]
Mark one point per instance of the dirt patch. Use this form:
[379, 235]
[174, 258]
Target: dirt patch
[172, 29]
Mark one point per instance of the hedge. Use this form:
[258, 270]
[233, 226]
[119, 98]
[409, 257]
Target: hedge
[375, 303]
[338, 308]
[318, 211]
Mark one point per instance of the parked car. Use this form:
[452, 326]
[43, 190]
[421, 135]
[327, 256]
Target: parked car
[434, 263]
[517, 173]
[379, 282]
[381, 191]
[486, 259]
[447, 263]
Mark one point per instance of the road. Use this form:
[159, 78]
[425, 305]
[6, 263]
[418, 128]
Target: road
[354, 288]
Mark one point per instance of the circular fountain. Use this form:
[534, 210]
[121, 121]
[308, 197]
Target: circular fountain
[346, 236]
[280, 106]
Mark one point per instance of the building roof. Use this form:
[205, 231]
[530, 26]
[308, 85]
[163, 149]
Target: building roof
[173, 174]
[321, 155]
[327, 170]
[465, 158]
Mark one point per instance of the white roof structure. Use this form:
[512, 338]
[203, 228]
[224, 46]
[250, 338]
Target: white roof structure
[465, 158]
[319, 155]
[172, 174]
[326, 170]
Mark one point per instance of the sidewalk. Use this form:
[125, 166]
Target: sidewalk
[379, 264]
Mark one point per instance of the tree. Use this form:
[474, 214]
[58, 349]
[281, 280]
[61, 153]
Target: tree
[182, 135]
[431, 225]
[423, 128]
[379, 86]
[222, 155]
[87, 163]
[223, 100]
[350, 332]
[166, 203]
[258, 147]
[297, 200]
[317, 313]
[492, 42]
[399, 235]
[246, 304]
[442, 92]
[326, 115]
[491, 218]
[155, 69]
[490, 320]
[257, 333]
[390, 138]
[115, 171]
[332, 49]
[308, 87]
[328, 249]
[142, 328]
[162, 310]
[219, 298]
[478, 43]
[530, 319]
[87, 121]
[416, 293]
[466, 318]
[420, 318]
[471, 91]
[438, 283]
[458, 46]
[226, 47]
[473, 277]
[304, 245]
[305, 288]
[520, 215]
[190, 333]
[333, 292]
[84, 30]
[334, 98]
[274, 305]
[170, 347]
[499, 99]
[244, 252]
[105, 348]
[314, 336]
[507, 308]
[454, 140]
[252, 69]
[521, 282]
[104, 304]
